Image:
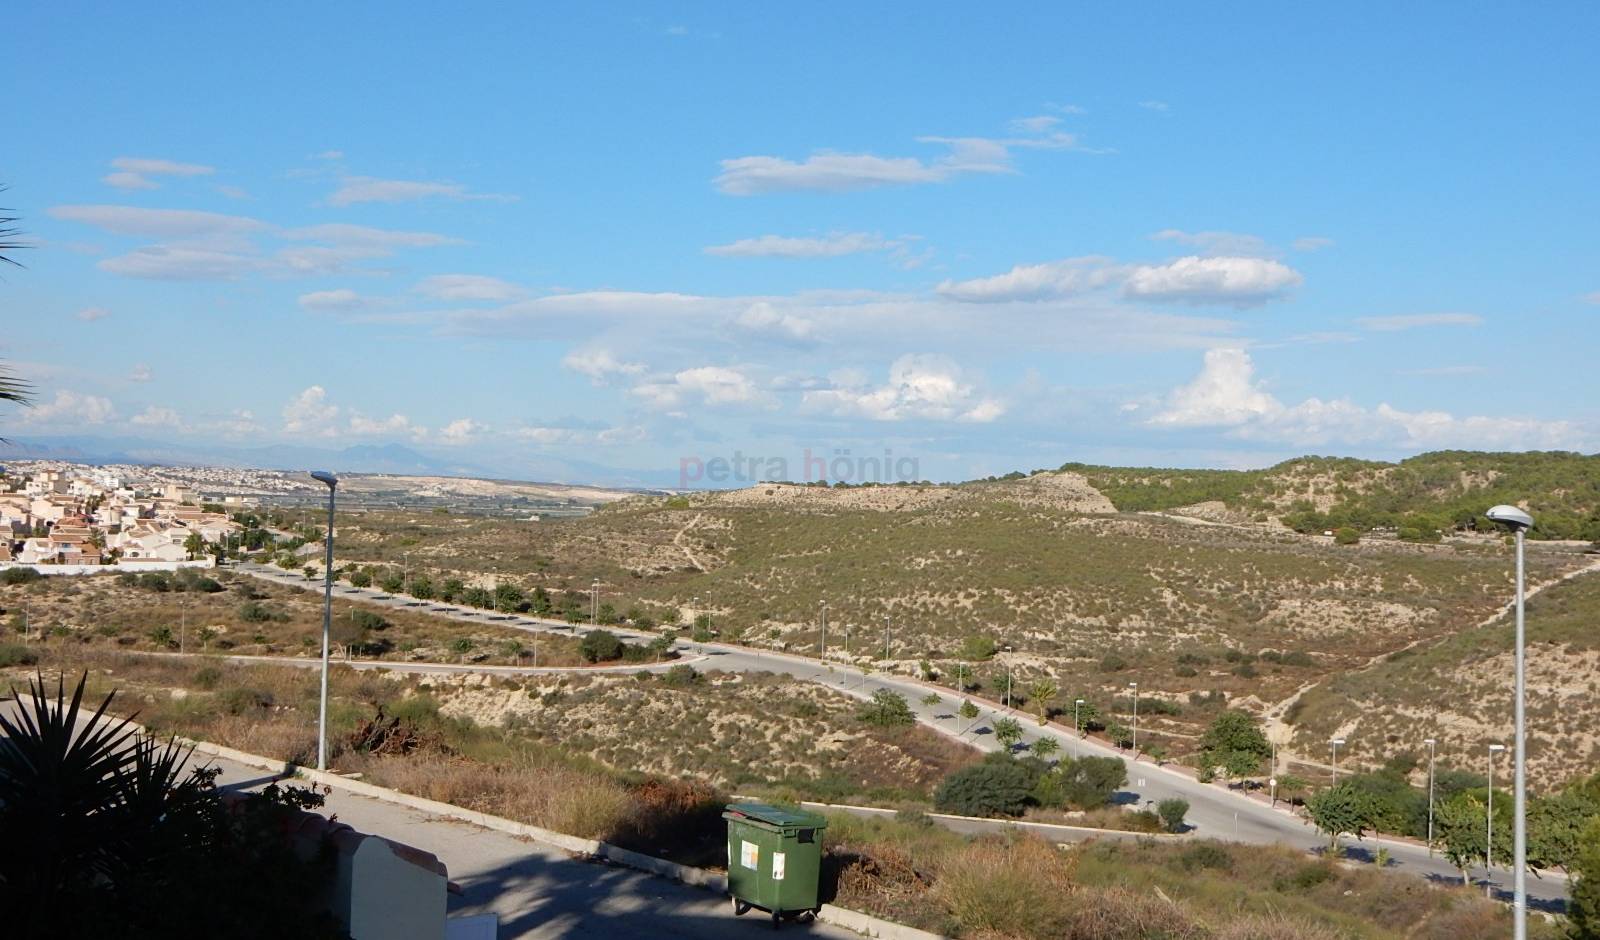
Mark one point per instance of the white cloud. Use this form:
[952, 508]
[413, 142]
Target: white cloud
[1236, 281]
[920, 386]
[1037, 124]
[359, 189]
[395, 424]
[1445, 371]
[1154, 105]
[1035, 281]
[469, 287]
[310, 413]
[1311, 243]
[71, 408]
[139, 373]
[232, 192]
[91, 314]
[1592, 298]
[1215, 244]
[183, 263]
[238, 423]
[331, 155]
[1226, 395]
[779, 246]
[135, 172]
[154, 417]
[1414, 321]
[827, 171]
[342, 299]
[708, 385]
[461, 431]
[128, 181]
[157, 223]
[599, 365]
[762, 318]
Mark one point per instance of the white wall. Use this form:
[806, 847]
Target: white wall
[135, 567]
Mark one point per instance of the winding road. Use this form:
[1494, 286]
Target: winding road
[1215, 811]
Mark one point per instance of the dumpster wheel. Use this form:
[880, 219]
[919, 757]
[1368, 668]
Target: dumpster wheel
[740, 908]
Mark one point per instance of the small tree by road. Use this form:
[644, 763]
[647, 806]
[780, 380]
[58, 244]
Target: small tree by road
[1007, 731]
[1046, 747]
[992, 788]
[600, 646]
[1234, 743]
[1337, 811]
[1172, 813]
[969, 712]
[888, 709]
[1041, 693]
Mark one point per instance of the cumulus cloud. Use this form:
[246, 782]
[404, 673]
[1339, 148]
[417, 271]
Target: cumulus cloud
[358, 189]
[183, 263]
[91, 314]
[1240, 282]
[310, 413]
[154, 417]
[779, 246]
[139, 373]
[1037, 124]
[600, 365]
[135, 172]
[469, 287]
[339, 233]
[1414, 321]
[1226, 396]
[763, 319]
[70, 408]
[156, 223]
[706, 385]
[920, 386]
[395, 424]
[461, 431]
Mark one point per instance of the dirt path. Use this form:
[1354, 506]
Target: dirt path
[1281, 732]
[688, 553]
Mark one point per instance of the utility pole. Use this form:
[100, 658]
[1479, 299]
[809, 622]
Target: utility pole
[1430, 742]
[824, 620]
[594, 602]
[1077, 725]
[886, 640]
[1135, 687]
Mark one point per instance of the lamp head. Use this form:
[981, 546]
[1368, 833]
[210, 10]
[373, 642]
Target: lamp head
[323, 476]
[1429, 742]
[1337, 741]
[1510, 517]
[1493, 748]
[1078, 701]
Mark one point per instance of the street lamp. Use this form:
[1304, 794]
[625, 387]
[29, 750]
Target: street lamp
[1488, 841]
[1519, 522]
[824, 621]
[332, 482]
[594, 602]
[1334, 745]
[1007, 648]
[886, 640]
[1135, 687]
[1431, 743]
[1077, 725]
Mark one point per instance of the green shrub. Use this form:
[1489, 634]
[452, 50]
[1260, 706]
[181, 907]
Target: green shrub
[207, 677]
[681, 677]
[15, 654]
[257, 612]
[600, 646]
[888, 709]
[1090, 782]
[1205, 855]
[243, 700]
[992, 788]
[20, 576]
[1172, 812]
[1346, 535]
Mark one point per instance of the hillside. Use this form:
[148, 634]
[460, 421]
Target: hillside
[1425, 495]
[1197, 613]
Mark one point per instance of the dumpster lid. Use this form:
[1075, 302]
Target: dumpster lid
[775, 815]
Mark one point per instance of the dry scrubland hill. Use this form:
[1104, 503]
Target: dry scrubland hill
[1458, 690]
[1090, 598]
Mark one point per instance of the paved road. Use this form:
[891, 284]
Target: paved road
[1214, 811]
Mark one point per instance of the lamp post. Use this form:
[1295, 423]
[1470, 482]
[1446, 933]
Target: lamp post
[1007, 648]
[886, 640]
[1135, 687]
[824, 620]
[594, 602]
[1077, 725]
[1519, 522]
[1334, 746]
[1488, 840]
[1431, 743]
[332, 482]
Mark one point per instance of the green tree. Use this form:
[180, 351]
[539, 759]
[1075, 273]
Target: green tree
[968, 710]
[600, 646]
[1337, 811]
[1346, 535]
[1007, 731]
[1584, 906]
[194, 544]
[1172, 813]
[1556, 826]
[1459, 826]
[1090, 782]
[1045, 748]
[461, 646]
[1234, 742]
[976, 649]
[309, 572]
[1042, 692]
[932, 700]
[888, 709]
[422, 587]
[392, 582]
[360, 579]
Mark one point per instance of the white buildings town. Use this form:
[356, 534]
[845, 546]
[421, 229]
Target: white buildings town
[89, 516]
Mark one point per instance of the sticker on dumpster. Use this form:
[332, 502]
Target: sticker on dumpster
[749, 855]
[777, 866]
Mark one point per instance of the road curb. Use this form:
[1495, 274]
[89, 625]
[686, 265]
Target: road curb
[864, 924]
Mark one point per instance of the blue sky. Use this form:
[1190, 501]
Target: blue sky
[637, 235]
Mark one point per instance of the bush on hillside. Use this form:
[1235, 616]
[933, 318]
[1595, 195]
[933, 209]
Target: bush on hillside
[600, 646]
[992, 788]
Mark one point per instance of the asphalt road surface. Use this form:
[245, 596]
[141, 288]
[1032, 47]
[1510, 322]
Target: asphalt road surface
[1214, 810]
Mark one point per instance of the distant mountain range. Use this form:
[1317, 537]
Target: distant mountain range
[359, 458]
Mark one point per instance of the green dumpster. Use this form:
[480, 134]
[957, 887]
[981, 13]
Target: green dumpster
[774, 859]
